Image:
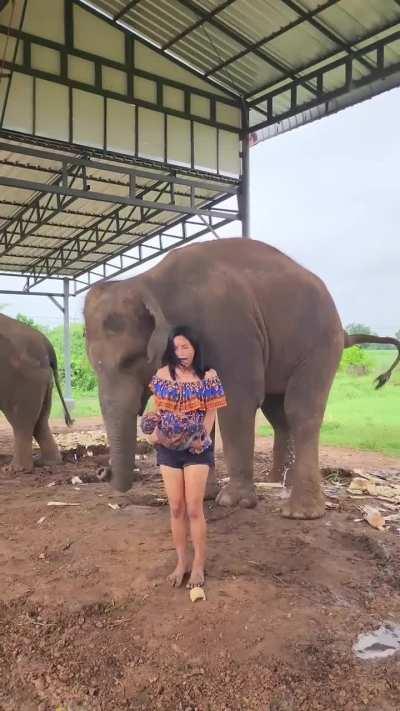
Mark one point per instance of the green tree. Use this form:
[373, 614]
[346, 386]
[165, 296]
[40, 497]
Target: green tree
[33, 324]
[359, 328]
[82, 375]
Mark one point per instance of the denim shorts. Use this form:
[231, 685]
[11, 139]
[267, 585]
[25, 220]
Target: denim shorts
[178, 459]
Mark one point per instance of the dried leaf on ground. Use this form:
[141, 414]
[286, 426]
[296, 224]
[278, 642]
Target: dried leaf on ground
[373, 487]
[374, 518]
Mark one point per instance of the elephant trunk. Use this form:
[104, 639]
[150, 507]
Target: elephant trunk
[120, 418]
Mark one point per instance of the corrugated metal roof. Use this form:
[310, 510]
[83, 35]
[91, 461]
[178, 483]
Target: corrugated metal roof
[32, 229]
[291, 33]
[254, 46]
[290, 61]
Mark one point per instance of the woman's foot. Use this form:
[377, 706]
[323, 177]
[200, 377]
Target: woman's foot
[196, 579]
[176, 578]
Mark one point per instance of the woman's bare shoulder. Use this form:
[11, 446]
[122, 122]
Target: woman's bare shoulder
[163, 373]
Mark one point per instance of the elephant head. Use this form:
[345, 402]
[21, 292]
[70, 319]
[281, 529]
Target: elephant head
[126, 333]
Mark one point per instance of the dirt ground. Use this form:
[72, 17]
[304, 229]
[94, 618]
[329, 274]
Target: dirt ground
[89, 623]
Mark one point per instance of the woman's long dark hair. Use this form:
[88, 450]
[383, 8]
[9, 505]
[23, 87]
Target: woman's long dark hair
[170, 359]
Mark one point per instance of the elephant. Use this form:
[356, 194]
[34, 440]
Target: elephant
[269, 327]
[28, 365]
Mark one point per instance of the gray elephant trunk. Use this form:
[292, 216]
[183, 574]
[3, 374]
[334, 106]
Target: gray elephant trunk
[120, 420]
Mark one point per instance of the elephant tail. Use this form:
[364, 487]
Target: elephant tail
[53, 365]
[358, 338]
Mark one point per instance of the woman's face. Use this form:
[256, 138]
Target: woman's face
[184, 351]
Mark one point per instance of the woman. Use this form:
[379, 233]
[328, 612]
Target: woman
[181, 417]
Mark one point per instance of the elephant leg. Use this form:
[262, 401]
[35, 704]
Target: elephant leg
[282, 464]
[22, 415]
[22, 459]
[212, 485]
[49, 452]
[237, 424]
[305, 402]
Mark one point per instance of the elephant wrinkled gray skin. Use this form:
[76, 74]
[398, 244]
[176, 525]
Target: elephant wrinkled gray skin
[28, 364]
[271, 330]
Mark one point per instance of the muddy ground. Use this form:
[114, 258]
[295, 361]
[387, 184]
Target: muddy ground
[88, 621]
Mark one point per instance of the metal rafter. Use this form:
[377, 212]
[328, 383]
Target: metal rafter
[134, 162]
[44, 267]
[330, 34]
[272, 36]
[140, 259]
[241, 40]
[196, 25]
[130, 32]
[380, 72]
[79, 241]
[128, 6]
[309, 65]
[130, 174]
[17, 230]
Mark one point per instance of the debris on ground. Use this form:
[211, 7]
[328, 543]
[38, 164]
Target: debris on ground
[88, 620]
[61, 503]
[379, 644]
[374, 517]
[197, 593]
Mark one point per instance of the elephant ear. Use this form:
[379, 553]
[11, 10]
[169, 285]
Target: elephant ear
[158, 339]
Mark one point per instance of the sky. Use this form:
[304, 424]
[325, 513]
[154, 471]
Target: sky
[328, 195]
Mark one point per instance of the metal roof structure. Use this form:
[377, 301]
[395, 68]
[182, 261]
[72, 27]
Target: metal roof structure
[280, 56]
[125, 126]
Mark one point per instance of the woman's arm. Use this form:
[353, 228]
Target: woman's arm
[209, 420]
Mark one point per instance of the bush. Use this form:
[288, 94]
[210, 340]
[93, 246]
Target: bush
[356, 361]
[82, 374]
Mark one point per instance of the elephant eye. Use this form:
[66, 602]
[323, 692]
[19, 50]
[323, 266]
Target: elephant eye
[127, 360]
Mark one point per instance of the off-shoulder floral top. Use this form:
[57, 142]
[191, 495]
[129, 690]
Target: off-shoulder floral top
[181, 410]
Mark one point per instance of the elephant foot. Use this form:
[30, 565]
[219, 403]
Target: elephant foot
[105, 475]
[234, 495]
[16, 469]
[304, 508]
[46, 462]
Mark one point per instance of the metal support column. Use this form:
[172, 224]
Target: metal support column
[244, 193]
[67, 345]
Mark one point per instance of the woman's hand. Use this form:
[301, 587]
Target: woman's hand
[153, 438]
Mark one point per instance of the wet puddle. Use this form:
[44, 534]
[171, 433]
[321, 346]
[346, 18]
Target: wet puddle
[378, 644]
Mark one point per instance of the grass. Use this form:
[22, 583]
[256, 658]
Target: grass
[357, 415]
[86, 405]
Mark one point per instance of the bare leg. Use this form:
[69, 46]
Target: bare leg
[175, 488]
[273, 409]
[49, 452]
[237, 423]
[195, 484]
